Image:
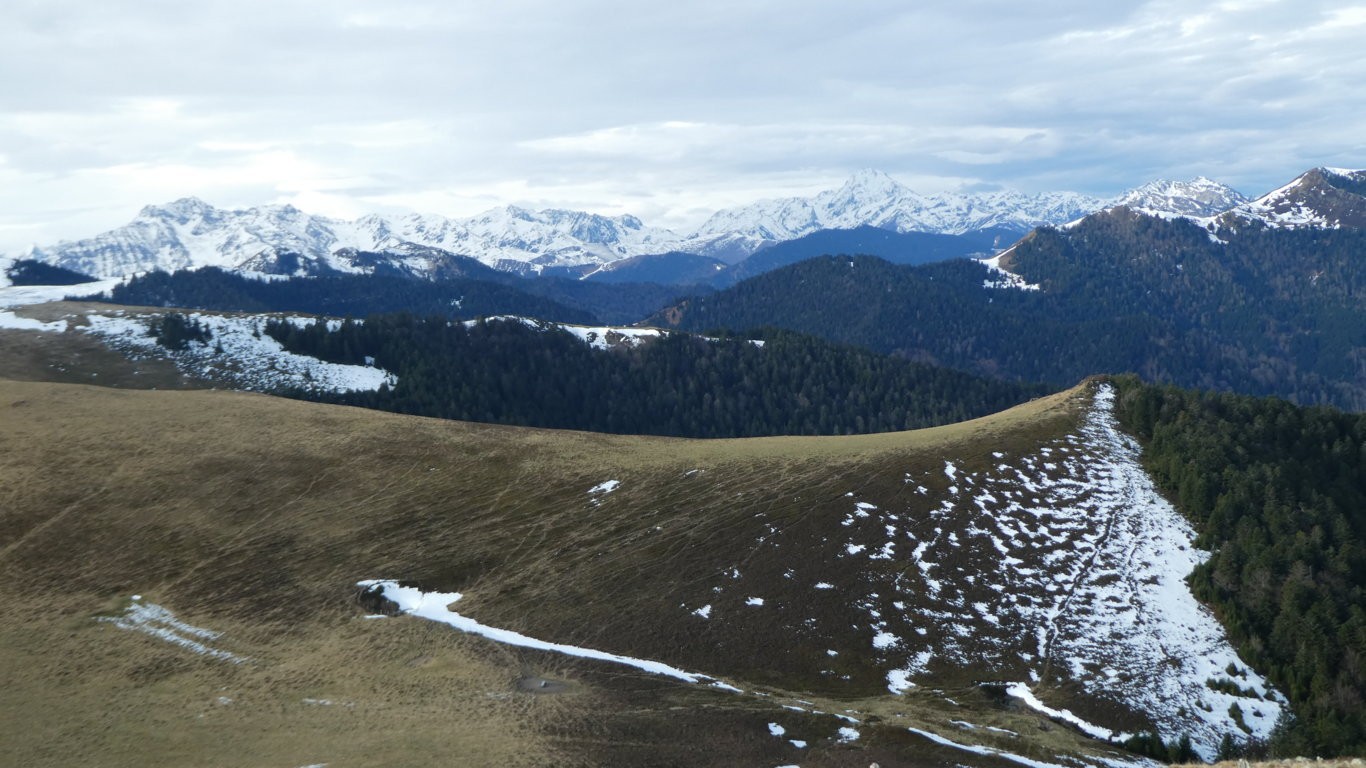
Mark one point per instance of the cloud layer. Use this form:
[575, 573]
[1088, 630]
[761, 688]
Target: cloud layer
[349, 106]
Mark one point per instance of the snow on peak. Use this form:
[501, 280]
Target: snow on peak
[872, 198]
[190, 233]
[1323, 198]
[871, 182]
[1200, 197]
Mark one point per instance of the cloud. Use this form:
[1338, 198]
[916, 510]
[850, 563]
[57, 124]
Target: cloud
[664, 110]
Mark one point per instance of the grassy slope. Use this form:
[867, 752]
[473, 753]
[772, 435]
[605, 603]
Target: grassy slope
[255, 516]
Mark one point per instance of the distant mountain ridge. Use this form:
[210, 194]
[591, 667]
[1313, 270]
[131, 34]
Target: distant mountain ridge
[191, 233]
[872, 198]
[1248, 306]
[281, 239]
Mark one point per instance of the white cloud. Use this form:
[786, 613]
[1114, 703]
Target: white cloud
[664, 110]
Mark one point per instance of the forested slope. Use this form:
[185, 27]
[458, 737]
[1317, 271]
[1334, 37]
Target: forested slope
[1268, 312]
[1278, 493]
[510, 372]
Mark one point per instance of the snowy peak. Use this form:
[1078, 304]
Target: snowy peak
[1327, 198]
[872, 198]
[1197, 198]
[870, 184]
[190, 233]
[184, 209]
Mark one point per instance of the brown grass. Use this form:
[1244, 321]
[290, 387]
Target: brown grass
[255, 516]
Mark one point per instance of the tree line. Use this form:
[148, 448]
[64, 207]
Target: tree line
[1278, 494]
[507, 372]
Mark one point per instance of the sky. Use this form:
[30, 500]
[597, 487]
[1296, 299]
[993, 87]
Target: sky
[668, 111]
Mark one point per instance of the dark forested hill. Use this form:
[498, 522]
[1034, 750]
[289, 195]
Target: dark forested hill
[509, 372]
[338, 295]
[1268, 312]
[1278, 493]
[490, 293]
[30, 272]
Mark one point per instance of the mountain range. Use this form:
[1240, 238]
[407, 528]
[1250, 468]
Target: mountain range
[281, 239]
[1263, 299]
[1120, 566]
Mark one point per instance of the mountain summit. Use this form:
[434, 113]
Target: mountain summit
[1326, 198]
[1198, 198]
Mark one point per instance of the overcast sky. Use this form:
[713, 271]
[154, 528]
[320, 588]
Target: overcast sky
[664, 110]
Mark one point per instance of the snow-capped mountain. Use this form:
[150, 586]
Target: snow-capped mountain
[872, 198]
[281, 239]
[1197, 198]
[1329, 198]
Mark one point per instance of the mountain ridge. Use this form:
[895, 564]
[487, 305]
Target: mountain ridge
[282, 239]
[189, 232]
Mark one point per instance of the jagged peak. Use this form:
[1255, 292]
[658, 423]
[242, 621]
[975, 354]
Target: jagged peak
[1199, 198]
[180, 206]
[870, 182]
[871, 177]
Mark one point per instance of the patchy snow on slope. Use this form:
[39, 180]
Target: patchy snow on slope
[1062, 566]
[154, 620]
[607, 338]
[1004, 278]
[980, 750]
[435, 606]
[249, 359]
[22, 295]
[12, 322]
[1109, 610]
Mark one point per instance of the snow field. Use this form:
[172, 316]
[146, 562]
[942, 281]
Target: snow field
[250, 359]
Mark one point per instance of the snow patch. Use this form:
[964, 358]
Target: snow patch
[250, 359]
[605, 487]
[980, 750]
[152, 619]
[435, 606]
[1022, 692]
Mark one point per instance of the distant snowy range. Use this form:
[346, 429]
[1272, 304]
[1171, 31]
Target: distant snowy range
[283, 240]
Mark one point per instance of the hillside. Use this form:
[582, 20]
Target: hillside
[856, 576]
[507, 370]
[1263, 311]
[474, 294]
[642, 381]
